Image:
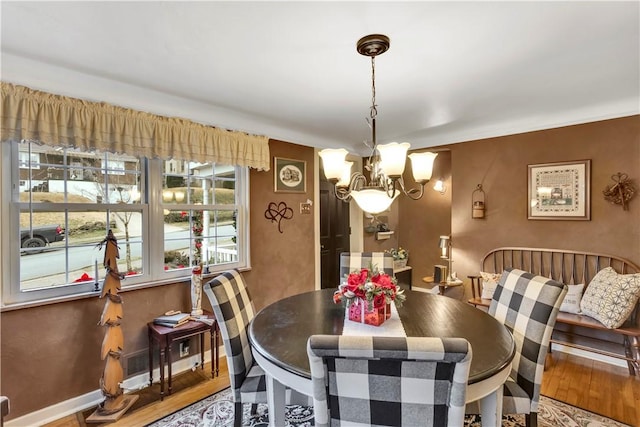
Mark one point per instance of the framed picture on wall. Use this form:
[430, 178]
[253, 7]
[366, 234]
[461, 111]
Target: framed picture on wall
[289, 175]
[560, 190]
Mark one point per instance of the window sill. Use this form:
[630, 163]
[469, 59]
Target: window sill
[94, 294]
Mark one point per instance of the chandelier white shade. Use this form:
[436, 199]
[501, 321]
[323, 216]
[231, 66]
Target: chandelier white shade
[333, 162]
[346, 175]
[393, 158]
[373, 200]
[422, 166]
[386, 163]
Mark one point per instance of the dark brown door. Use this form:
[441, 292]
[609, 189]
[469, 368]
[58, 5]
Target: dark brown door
[334, 234]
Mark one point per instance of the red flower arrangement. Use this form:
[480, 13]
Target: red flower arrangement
[368, 294]
[375, 287]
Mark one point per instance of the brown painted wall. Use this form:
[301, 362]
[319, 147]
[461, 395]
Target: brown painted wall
[51, 353]
[392, 219]
[424, 221]
[283, 263]
[500, 164]
[418, 224]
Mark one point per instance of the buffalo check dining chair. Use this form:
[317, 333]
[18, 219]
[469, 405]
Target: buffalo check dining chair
[355, 261]
[388, 381]
[528, 306]
[234, 310]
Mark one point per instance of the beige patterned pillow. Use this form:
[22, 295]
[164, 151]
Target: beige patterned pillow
[489, 284]
[611, 297]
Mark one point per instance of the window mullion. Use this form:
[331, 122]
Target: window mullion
[155, 220]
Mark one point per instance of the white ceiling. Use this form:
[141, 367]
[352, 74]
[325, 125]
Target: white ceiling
[289, 70]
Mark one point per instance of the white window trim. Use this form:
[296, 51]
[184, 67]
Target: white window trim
[155, 275]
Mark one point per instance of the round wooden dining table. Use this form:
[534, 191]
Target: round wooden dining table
[279, 334]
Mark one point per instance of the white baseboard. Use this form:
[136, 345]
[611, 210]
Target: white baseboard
[435, 290]
[589, 355]
[88, 400]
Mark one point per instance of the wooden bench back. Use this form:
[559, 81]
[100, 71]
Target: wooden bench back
[561, 265]
[565, 266]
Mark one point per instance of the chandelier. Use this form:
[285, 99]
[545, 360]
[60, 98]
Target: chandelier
[385, 163]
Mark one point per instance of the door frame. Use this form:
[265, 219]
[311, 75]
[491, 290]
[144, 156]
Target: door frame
[356, 217]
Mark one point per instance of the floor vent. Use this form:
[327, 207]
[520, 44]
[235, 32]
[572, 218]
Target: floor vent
[136, 363]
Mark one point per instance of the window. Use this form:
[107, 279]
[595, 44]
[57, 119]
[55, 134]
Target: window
[113, 167]
[29, 160]
[200, 211]
[167, 216]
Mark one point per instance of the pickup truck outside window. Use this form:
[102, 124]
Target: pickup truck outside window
[40, 236]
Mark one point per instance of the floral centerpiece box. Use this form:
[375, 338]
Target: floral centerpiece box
[400, 257]
[368, 294]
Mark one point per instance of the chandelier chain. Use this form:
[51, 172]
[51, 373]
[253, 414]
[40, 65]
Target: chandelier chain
[374, 109]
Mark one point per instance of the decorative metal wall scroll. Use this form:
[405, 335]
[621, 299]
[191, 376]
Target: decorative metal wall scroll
[620, 192]
[278, 212]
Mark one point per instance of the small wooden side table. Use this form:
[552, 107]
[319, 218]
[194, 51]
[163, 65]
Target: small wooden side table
[403, 276]
[442, 285]
[164, 336]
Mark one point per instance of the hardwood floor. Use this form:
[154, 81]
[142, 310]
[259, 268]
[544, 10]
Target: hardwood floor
[185, 392]
[594, 386]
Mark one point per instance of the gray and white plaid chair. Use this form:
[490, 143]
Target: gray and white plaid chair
[233, 309]
[388, 381]
[528, 306]
[352, 261]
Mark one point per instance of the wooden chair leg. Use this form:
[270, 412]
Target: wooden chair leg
[531, 420]
[237, 415]
[632, 357]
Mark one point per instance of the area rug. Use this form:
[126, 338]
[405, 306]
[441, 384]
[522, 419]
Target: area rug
[217, 410]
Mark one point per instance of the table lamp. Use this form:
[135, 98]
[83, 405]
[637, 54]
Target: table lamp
[445, 248]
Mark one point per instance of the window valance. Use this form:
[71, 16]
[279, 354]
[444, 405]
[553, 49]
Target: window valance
[61, 121]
